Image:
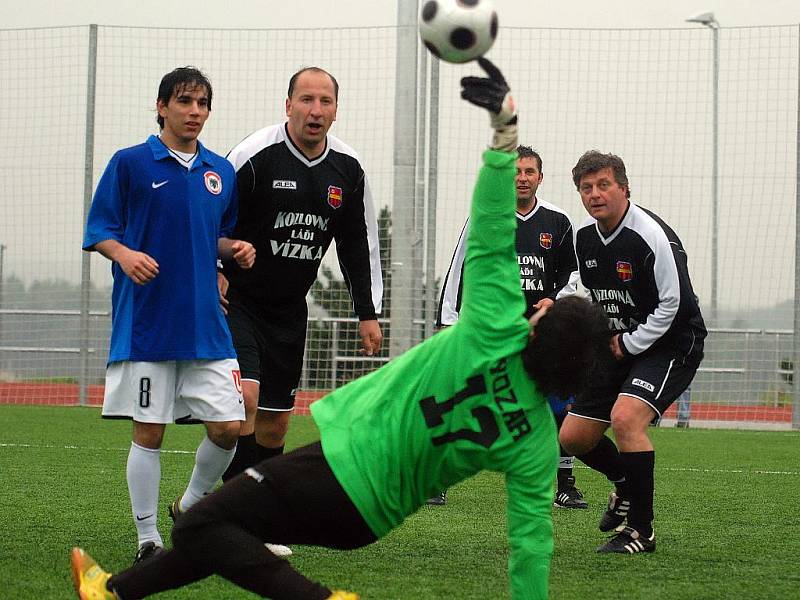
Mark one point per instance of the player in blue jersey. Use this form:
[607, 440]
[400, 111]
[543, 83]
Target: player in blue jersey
[162, 213]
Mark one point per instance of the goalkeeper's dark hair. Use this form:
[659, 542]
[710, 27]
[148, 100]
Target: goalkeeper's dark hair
[565, 345]
[594, 161]
[528, 152]
[178, 80]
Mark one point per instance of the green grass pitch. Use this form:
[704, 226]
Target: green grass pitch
[727, 522]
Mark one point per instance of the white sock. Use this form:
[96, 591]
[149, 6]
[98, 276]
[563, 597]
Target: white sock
[144, 476]
[209, 465]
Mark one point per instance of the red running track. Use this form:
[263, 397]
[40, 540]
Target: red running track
[65, 394]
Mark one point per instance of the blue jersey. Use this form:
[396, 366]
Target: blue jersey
[148, 202]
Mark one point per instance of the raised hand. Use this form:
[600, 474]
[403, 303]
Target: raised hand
[493, 94]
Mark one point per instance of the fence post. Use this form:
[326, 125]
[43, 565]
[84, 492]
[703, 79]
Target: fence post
[796, 342]
[431, 295]
[91, 82]
[334, 352]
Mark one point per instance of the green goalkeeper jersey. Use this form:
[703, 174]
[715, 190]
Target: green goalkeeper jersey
[458, 403]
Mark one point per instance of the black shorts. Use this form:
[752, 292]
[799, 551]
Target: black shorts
[270, 352]
[290, 499]
[293, 498]
[657, 379]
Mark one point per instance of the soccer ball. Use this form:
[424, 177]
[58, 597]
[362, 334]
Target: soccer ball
[458, 31]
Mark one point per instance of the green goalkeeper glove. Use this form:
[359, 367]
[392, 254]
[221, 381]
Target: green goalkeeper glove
[493, 94]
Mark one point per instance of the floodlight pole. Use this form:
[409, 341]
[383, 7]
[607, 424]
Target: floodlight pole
[708, 20]
[88, 162]
[404, 232]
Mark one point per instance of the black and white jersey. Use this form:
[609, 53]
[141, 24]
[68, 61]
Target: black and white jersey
[545, 255]
[639, 274]
[290, 209]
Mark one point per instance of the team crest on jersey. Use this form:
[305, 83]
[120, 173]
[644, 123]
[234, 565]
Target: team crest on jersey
[334, 196]
[546, 240]
[213, 182]
[624, 270]
[237, 379]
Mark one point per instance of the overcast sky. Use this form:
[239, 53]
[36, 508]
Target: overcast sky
[319, 13]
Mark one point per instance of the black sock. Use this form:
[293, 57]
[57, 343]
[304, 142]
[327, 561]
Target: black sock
[244, 457]
[639, 470]
[263, 453]
[605, 457]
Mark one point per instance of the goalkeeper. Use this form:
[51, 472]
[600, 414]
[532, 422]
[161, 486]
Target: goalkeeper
[470, 398]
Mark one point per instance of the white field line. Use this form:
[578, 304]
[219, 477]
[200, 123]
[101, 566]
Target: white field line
[87, 448]
[192, 452]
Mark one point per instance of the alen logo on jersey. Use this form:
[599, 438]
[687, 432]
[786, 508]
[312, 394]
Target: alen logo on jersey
[284, 184]
[643, 384]
[334, 196]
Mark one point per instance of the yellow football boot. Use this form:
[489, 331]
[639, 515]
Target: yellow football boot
[89, 579]
[342, 595]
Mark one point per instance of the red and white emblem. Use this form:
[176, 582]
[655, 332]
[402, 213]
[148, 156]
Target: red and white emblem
[237, 379]
[624, 270]
[213, 182]
[546, 240]
[334, 196]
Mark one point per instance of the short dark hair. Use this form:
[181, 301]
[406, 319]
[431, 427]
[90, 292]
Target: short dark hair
[177, 80]
[593, 161]
[293, 81]
[528, 152]
[565, 346]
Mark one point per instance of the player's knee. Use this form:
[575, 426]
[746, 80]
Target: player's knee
[574, 445]
[225, 435]
[271, 427]
[626, 426]
[148, 435]
[574, 439]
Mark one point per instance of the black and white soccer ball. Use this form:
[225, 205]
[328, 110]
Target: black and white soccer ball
[458, 31]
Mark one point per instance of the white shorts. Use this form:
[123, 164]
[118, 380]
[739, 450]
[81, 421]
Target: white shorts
[163, 392]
